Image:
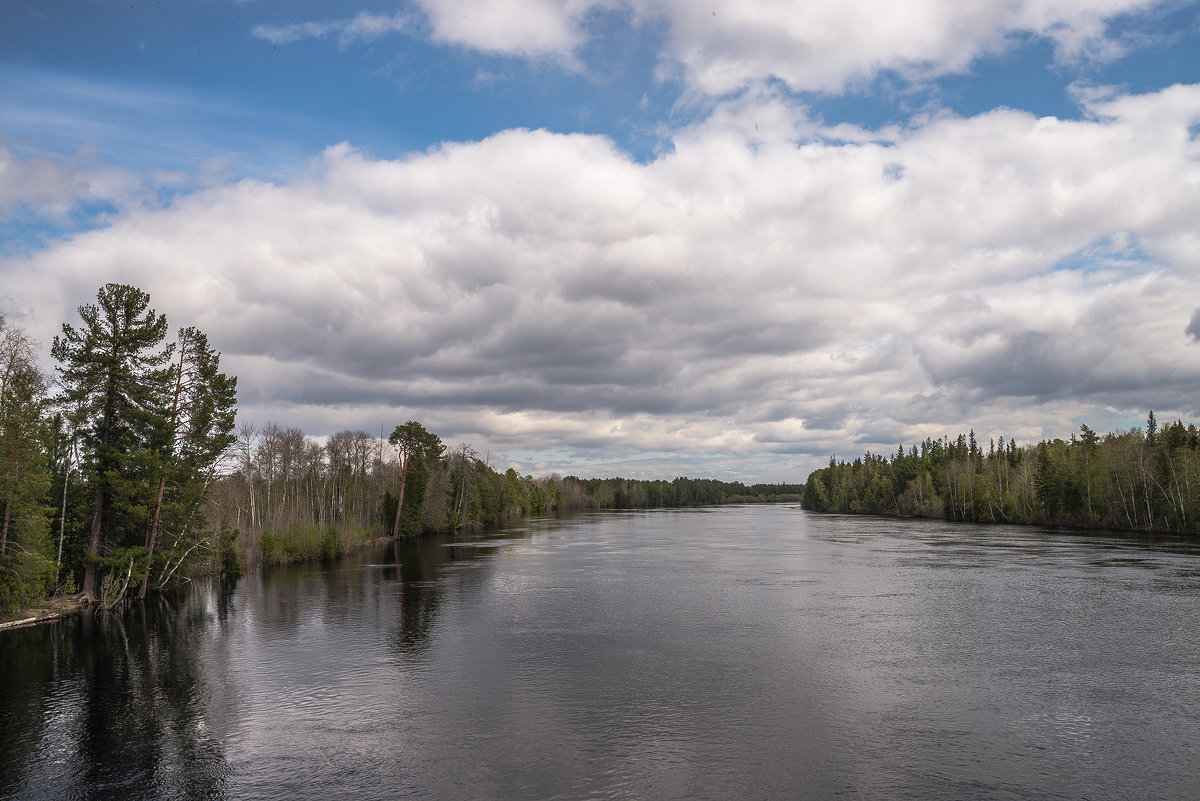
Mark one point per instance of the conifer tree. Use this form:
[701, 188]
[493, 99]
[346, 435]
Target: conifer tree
[22, 389]
[25, 568]
[198, 431]
[114, 371]
[416, 446]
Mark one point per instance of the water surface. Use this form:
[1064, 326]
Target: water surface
[736, 652]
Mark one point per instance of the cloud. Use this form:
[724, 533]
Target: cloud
[362, 26]
[759, 296]
[835, 45]
[530, 28]
[119, 126]
[41, 194]
[1193, 329]
[723, 46]
[527, 28]
[43, 186]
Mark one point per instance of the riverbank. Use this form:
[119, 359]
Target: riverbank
[1130, 481]
[45, 610]
[1069, 526]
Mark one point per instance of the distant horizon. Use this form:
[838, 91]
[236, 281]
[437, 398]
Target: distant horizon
[989, 441]
[628, 237]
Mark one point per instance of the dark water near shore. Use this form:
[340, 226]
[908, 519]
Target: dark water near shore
[729, 653]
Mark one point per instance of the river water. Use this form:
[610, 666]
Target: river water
[757, 652]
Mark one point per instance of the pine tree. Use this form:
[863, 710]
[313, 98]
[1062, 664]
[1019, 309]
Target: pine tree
[416, 446]
[198, 432]
[114, 373]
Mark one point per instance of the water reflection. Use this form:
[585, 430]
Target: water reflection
[429, 568]
[103, 704]
[417, 564]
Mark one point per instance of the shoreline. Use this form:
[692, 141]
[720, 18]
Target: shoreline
[43, 611]
[57, 607]
[1065, 525]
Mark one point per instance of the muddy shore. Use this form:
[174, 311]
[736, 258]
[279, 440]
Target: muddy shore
[43, 611]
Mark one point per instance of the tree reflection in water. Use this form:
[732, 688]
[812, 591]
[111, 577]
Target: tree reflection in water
[181, 698]
[425, 570]
[98, 704]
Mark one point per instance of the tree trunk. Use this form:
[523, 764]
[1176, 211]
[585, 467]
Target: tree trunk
[109, 603]
[152, 538]
[7, 513]
[400, 503]
[152, 535]
[91, 574]
[62, 523]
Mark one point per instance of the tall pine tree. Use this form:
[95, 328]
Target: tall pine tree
[114, 372]
[416, 448]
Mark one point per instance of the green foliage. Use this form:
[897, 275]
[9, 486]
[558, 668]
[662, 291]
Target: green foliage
[271, 550]
[1130, 480]
[816, 493]
[195, 430]
[227, 553]
[121, 568]
[418, 451]
[331, 544]
[27, 568]
[113, 373]
[25, 576]
[150, 429]
[466, 492]
[294, 499]
[298, 543]
[387, 510]
[123, 466]
[26, 556]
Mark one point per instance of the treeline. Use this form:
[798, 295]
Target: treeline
[1141, 480]
[291, 497]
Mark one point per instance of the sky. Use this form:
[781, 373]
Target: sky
[646, 238]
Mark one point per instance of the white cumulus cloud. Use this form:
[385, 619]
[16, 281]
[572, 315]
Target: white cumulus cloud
[811, 45]
[760, 295]
[828, 46]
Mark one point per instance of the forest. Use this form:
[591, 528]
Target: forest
[127, 473]
[105, 469]
[1137, 480]
[291, 497]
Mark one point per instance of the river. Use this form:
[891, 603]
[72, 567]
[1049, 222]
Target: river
[756, 652]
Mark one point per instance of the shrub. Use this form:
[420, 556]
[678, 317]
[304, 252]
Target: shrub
[331, 547]
[231, 562]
